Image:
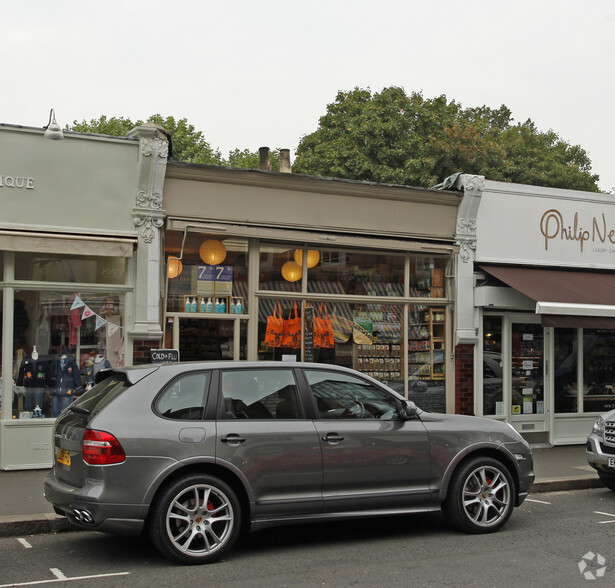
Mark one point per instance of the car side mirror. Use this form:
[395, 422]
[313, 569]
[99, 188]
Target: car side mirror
[408, 410]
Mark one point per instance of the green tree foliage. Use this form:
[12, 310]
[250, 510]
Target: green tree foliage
[390, 137]
[251, 160]
[188, 144]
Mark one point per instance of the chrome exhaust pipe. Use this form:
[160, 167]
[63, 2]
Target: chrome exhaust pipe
[87, 517]
[77, 514]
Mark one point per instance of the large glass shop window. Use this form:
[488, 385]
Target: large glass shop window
[210, 278]
[493, 391]
[49, 267]
[427, 357]
[565, 357]
[61, 341]
[598, 370]
[366, 337]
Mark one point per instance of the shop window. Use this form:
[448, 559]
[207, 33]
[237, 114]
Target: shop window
[367, 338]
[210, 278]
[184, 399]
[61, 340]
[278, 269]
[49, 267]
[358, 272]
[493, 390]
[427, 276]
[565, 356]
[427, 357]
[206, 339]
[598, 370]
[260, 394]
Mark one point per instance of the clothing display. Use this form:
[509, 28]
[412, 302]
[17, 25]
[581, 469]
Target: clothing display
[65, 380]
[33, 376]
[92, 367]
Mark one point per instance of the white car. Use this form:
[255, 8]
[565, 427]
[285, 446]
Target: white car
[600, 448]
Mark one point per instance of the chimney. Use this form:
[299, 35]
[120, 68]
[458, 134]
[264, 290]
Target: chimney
[285, 161]
[265, 163]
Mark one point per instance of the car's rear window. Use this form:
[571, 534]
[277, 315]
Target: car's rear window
[102, 394]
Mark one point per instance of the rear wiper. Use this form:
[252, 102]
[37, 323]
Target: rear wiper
[80, 409]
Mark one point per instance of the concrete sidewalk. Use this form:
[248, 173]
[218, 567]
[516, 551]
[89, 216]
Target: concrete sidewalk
[24, 510]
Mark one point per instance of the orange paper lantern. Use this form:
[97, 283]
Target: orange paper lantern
[313, 257]
[175, 267]
[212, 252]
[291, 271]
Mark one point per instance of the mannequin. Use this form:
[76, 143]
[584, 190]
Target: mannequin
[93, 366]
[65, 379]
[32, 376]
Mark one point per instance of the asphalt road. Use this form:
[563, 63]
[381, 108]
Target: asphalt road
[543, 544]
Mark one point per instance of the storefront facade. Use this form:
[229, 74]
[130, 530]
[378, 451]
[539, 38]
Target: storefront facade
[248, 249]
[80, 257]
[536, 306]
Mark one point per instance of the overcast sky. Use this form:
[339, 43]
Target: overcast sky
[249, 73]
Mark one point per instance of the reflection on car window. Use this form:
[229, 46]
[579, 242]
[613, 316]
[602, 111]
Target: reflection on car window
[342, 396]
[184, 398]
[260, 394]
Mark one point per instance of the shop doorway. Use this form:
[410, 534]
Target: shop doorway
[207, 339]
[514, 383]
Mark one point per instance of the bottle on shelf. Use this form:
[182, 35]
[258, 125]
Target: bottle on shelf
[209, 306]
[188, 304]
[203, 305]
[193, 306]
[238, 307]
[222, 305]
[232, 308]
[217, 306]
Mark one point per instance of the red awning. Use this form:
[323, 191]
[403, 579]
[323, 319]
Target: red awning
[593, 293]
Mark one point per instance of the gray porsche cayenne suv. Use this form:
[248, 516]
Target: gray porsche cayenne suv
[195, 452]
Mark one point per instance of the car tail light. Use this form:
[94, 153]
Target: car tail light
[101, 448]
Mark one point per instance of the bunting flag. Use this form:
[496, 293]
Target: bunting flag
[88, 312]
[111, 329]
[77, 303]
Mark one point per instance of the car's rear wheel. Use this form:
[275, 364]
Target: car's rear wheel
[480, 497]
[608, 481]
[196, 519]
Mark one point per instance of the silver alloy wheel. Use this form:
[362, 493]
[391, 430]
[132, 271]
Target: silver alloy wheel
[199, 520]
[486, 496]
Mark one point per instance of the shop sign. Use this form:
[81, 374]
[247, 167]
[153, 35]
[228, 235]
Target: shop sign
[214, 280]
[597, 231]
[164, 355]
[16, 182]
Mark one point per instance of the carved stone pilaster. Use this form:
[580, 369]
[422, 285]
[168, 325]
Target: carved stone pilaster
[465, 237]
[149, 217]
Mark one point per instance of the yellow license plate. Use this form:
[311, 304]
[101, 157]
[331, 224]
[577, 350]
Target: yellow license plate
[64, 456]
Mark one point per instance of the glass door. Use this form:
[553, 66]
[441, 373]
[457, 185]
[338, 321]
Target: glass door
[526, 372]
[208, 339]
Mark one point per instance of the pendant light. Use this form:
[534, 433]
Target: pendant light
[291, 271]
[175, 267]
[313, 257]
[212, 252]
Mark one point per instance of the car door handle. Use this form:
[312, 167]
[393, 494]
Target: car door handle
[232, 439]
[333, 437]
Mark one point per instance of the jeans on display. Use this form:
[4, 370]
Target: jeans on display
[59, 403]
[34, 398]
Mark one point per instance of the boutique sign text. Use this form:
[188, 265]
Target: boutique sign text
[597, 232]
[16, 182]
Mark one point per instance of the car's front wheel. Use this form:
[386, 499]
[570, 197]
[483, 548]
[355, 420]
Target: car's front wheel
[196, 519]
[480, 497]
